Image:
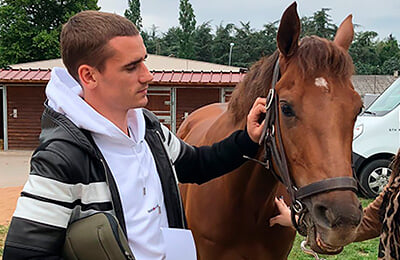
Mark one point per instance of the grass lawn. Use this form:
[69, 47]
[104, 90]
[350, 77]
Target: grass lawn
[3, 232]
[366, 250]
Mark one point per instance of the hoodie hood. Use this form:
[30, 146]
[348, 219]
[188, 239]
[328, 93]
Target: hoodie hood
[65, 95]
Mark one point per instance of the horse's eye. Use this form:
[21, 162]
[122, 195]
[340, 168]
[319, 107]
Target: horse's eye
[287, 110]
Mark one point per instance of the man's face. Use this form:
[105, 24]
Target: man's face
[123, 83]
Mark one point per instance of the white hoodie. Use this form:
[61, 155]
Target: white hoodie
[129, 159]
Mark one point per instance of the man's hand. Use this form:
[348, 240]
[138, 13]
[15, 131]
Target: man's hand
[254, 128]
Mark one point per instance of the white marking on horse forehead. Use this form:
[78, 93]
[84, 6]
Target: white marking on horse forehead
[321, 82]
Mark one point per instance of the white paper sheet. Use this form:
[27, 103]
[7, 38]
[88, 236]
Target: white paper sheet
[179, 244]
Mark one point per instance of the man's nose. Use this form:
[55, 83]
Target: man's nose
[145, 76]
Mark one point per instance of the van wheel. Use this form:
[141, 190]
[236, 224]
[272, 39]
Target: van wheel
[374, 177]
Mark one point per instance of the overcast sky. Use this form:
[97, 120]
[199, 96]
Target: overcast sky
[381, 16]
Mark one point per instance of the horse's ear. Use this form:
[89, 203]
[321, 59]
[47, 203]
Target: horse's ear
[345, 33]
[289, 31]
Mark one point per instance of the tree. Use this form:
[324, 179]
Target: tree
[151, 40]
[30, 29]
[187, 23]
[269, 38]
[203, 41]
[170, 43]
[388, 52]
[319, 24]
[221, 44]
[364, 53]
[251, 45]
[133, 13]
[391, 65]
[388, 48]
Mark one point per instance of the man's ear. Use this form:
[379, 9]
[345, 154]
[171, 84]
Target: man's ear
[87, 76]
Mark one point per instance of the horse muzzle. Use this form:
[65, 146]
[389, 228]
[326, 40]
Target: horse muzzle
[332, 220]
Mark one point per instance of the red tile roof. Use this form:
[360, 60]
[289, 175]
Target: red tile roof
[196, 77]
[160, 77]
[24, 75]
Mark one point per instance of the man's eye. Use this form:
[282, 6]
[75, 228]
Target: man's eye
[287, 110]
[132, 68]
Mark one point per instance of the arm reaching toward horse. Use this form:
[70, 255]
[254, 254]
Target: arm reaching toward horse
[284, 217]
[201, 164]
[369, 228]
[371, 225]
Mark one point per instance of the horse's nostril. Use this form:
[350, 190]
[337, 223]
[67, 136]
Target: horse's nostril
[332, 217]
[322, 214]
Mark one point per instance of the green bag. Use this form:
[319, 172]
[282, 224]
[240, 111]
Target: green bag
[96, 237]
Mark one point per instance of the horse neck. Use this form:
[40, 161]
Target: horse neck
[253, 188]
[251, 178]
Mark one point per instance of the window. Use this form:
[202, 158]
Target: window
[386, 102]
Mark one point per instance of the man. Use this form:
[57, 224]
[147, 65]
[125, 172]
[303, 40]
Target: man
[100, 151]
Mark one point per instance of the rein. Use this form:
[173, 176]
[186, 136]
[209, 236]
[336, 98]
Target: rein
[275, 155]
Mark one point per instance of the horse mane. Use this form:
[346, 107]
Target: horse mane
[318, 56]
[255, 84]
[315, 57]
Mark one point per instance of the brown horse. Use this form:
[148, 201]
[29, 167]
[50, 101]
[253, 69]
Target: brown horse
[317, 109]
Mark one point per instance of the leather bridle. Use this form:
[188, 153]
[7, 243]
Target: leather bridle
[275, 154]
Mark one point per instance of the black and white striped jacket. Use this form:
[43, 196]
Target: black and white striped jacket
[69, 179]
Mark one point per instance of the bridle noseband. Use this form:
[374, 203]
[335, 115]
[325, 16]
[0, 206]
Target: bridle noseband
[275, 154]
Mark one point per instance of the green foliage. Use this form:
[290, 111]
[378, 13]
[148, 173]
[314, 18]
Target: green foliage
[133, 13]
[366, 250]
[187, 23]
[202, 42]
[364, 53]
[3, 233]
[250, 45]
[30, 29]
[221, 44]
[186, 17]
[151, 40]
[320, 24]
[171, 42]
[370, 55]
[391, 65]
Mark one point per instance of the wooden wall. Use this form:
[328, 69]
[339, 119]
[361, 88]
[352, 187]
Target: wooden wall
[23, 131]
[190, 99]
[1, 116]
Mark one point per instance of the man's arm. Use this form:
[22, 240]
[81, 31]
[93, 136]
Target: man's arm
[37, 229]
[370, 226]
[201, 164]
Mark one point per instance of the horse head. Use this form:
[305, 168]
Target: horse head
[316, 109]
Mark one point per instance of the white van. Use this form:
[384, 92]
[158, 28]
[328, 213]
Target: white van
[376, 140]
